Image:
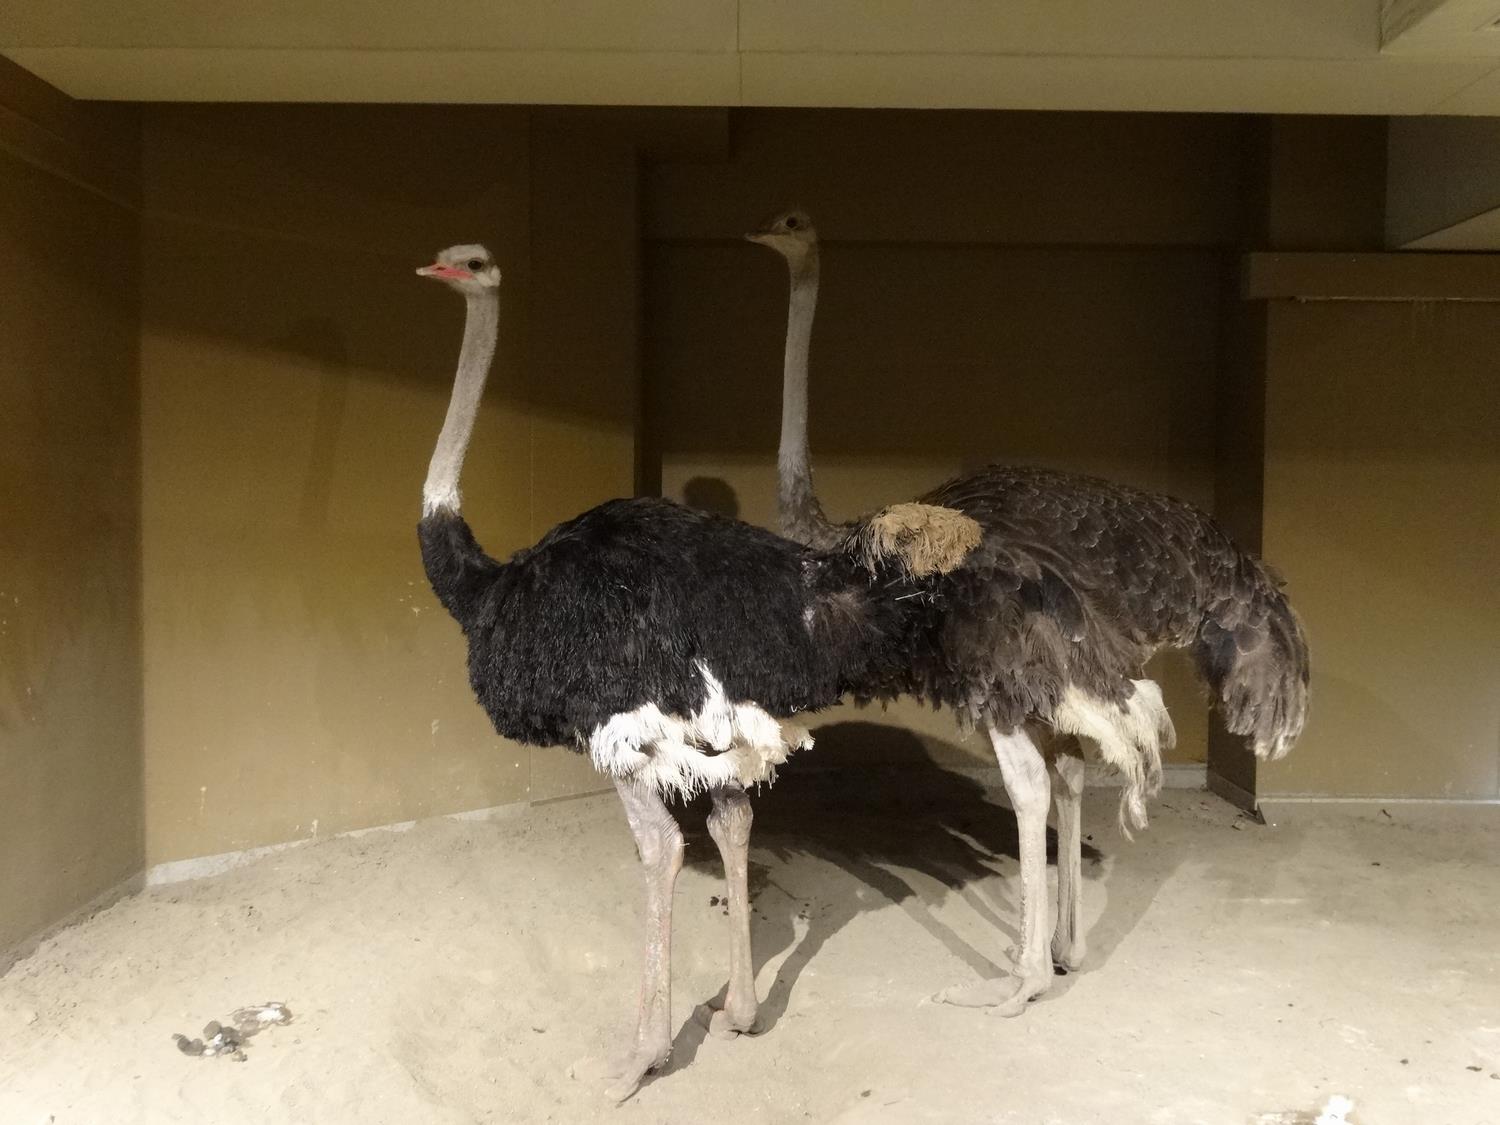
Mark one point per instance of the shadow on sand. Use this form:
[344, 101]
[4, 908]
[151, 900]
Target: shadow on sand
[911, 832]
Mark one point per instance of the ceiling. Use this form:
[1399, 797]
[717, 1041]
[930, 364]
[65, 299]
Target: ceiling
[1266, 56]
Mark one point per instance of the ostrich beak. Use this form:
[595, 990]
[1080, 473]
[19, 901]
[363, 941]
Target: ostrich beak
[437, 269]
[762, 237]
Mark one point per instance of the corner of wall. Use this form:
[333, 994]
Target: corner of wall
[70, 670]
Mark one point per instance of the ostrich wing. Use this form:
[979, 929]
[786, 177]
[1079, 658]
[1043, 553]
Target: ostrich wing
[1141, 562]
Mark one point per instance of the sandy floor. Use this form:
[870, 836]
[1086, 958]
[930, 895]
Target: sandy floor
[452, 973]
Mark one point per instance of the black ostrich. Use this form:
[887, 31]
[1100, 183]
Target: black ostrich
[669, 644]
[1048, 627]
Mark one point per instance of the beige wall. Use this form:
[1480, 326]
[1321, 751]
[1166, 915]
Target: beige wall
[1025, 288]
[300, 679]
[1382, 503]
[70, 670]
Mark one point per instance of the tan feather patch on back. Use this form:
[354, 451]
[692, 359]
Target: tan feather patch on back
[923, 538]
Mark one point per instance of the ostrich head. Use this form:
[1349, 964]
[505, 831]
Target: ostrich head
[791, 234]
[468, 268]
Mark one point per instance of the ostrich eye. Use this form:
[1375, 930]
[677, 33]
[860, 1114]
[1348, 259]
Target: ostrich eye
[791, 222]
[475, 265]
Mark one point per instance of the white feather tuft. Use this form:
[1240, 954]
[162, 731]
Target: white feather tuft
[723, 743]
[1130, 736]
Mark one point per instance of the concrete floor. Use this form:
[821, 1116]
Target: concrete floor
[1237, 973]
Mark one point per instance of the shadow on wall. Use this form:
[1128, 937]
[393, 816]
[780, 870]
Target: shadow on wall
[322, 224]
[321, 343]
[711, 494]
[907, 830]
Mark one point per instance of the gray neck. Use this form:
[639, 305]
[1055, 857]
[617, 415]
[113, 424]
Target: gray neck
[481, 326]
[801, 515]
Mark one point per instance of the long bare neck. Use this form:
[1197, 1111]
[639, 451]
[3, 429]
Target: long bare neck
[801, 515]
[481, 326]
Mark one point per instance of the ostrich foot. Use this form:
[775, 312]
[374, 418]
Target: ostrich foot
[622, 1076]
[726, 1024]
[1003, 996]
[1068, 955]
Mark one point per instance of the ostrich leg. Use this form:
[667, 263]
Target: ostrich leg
[1067, 769]
[729, 825]
[1024, 772]
[659, 841]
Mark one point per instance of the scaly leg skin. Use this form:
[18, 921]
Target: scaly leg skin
[729, 825]
[1067, 796]
[659, 841]
[1024, 772]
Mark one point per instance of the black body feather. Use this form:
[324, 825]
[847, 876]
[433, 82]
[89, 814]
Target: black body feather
[620, 607]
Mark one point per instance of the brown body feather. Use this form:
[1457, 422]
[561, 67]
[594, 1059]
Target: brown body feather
[1083, 580]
